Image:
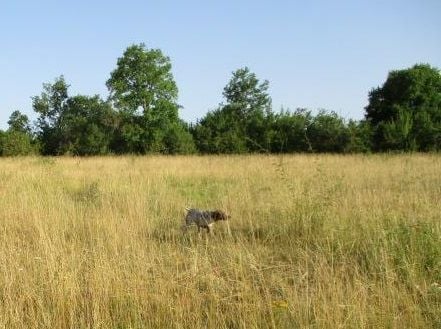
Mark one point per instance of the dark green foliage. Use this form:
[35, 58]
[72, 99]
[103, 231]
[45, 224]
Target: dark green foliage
[141, 116]
[246, 123]
[144, 91]
[13, 143]
[405, 113]
[18, 139]
[79, 125]
[19, 122]
[128, 138]
[360, 137]
[145, 119]
[219, 132]
[243, 123]
[396, 134]
[328, 133]
[246, 94]
[178, 139]
[142, 79]
[289, 131]
[248, 104]
[86, 126]
[427, 131]
[141, 134]
[50, 105]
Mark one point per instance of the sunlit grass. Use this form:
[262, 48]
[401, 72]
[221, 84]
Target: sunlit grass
[314, 241]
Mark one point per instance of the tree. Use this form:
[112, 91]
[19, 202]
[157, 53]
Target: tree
[13, 143]
[289, 131]
[220, 132]
[80, 125]
[142, 80]
[19, 122]
[144, 91]
[243, 123]
[360, 137]
[405, 112]
[328, 133]
[18, 139]
[397, 133]
[249, 103]
[247, 94]
[178, 139]
[50, 105]
[86, 126]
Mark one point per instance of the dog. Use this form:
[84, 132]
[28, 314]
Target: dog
[203, 218]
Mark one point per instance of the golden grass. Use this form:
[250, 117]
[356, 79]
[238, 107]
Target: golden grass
[314, 242]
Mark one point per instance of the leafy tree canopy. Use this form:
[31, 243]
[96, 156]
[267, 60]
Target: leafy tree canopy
[405, 112]
[246, 93]
[49, 105]
[242, 124]
[19, 122]
[142, 80]
[412, 90]
[13, 143]
[86, 126]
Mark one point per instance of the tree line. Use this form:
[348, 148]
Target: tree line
[141, 116]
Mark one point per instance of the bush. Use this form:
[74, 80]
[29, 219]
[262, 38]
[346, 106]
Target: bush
[13, 143]
[178, 140]
[328, 133]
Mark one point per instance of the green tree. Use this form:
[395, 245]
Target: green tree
[128, 138]
[405, 112]
[243, 123]
[247, 94]
[427, 130]
[13, 143]
[360, 137]
[19, 122]
[80, 125]
[289, 131]
[50, 105]
[248, 102]
[178, 139]
[144, 91]
[328, 133]
[397, 133]
[142, 80]
[18, 139]
[86, 126]
[220, 132]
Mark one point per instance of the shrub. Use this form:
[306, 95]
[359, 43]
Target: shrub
[13, 143]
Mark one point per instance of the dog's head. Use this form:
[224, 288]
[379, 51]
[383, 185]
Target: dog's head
[220, 215]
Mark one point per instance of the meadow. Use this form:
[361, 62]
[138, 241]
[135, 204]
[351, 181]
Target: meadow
[314, 241]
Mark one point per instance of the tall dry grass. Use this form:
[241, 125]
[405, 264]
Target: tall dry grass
[314, 242]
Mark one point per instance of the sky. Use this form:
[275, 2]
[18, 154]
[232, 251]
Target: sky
[317, 54]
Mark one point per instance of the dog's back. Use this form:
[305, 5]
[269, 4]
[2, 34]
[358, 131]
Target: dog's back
[203, 218]
[198, 217]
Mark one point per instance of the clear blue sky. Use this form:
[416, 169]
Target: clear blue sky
[315, 54]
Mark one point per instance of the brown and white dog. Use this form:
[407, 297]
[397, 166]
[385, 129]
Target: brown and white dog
[203, 218]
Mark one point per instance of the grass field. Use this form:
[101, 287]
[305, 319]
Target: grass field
[313, 242]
